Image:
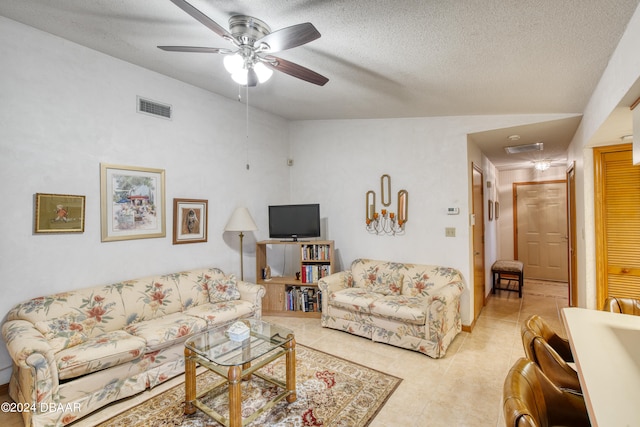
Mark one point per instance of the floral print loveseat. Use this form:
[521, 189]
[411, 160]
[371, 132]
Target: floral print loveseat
[77, 351]
[411, 306]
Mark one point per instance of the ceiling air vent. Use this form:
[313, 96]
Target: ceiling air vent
[153, 108]
[516, 149]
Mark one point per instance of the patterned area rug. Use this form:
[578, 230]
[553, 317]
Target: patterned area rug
[331, 392]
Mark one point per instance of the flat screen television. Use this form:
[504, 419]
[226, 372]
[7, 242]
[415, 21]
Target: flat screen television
[294, 221]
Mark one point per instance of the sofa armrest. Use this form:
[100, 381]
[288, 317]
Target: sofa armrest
[253, 293]
[333, 282]
[443, 312]
[448, 293]
[33, 358]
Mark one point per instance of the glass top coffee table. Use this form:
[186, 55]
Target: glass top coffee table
[236, 360]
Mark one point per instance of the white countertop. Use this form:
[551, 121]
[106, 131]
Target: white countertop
[606, 349]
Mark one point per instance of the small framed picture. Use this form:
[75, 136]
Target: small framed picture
[490, 208]
[497, 210]
[189, 221]
[59, 213]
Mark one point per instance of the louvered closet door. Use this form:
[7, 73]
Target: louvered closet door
[617, 223]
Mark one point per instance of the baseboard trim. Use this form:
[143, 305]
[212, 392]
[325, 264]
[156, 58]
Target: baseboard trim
[468, 328]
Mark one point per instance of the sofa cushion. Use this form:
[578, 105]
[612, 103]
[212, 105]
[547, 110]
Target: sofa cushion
[101, 352]
[166, 330]
[401, 307]
[224, 289]
[220, 312]
[354, 299]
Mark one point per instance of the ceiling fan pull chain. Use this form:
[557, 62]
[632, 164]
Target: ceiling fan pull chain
[247, 140]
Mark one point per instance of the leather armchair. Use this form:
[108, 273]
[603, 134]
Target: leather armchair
[544, 347]
[539, 327]
[530, 399]
[549, 361]
[622, 305]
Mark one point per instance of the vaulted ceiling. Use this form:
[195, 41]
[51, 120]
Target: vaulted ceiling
[384, 59]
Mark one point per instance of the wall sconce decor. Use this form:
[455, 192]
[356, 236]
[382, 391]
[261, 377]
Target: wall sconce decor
[386, 222]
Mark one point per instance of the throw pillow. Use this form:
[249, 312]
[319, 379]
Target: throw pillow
[224, 289]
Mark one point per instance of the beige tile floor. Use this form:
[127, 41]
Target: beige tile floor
[462, 389]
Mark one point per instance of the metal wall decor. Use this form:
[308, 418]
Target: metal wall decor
[386, 222]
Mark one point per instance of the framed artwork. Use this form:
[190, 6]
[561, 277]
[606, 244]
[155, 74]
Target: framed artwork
[490, 210]
[132, 202]
[59, 213]
[189, 221]
[496, 206]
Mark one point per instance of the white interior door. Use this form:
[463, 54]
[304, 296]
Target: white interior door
[541, 225]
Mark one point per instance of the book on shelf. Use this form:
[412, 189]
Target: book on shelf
[303, 298]
[313, 252]
[313, 273]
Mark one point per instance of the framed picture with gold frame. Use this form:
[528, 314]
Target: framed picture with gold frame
[132, 202]
[59, 213]
[190, 221]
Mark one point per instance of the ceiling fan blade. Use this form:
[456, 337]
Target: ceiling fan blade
[295, 70]
[203, 19]
[287, 38]
[193, 49]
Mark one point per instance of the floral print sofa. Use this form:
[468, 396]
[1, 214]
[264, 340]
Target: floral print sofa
[407, 305]
[77, 351]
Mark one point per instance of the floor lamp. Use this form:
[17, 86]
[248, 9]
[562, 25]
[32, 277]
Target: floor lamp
[241, 221]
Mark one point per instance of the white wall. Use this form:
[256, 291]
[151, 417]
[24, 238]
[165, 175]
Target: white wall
[64, 109]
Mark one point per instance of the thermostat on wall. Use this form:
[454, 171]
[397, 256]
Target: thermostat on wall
[453, 211]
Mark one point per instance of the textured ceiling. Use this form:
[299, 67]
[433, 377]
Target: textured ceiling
[411, 58]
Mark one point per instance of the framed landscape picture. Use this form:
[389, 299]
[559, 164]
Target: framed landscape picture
[132, 202]
[189, 221]
[59, 213]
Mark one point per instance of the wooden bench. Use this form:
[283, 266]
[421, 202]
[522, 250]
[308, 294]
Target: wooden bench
[509, 271]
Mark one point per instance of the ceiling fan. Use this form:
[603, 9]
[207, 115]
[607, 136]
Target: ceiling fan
[250, 61]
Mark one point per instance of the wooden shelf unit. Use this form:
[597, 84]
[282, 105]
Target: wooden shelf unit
[314, 255]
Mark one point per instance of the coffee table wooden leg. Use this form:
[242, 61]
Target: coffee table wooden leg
[189, 382]
[235, 396]
[291, 370]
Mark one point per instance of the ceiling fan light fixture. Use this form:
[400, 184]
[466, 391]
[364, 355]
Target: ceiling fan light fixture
[233, 63]
[263, 72]
[241, 76]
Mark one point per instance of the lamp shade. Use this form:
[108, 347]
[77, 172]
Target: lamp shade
[241, 221]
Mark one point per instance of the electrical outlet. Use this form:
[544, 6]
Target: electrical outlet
[450, 232]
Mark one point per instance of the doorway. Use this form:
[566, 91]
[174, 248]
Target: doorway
[573, 239]
[478, 241]
[541, 240]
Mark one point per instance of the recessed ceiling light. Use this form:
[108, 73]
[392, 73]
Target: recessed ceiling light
[514, 137]
[515, 149]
